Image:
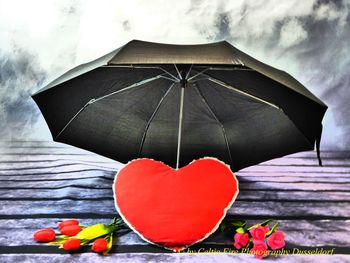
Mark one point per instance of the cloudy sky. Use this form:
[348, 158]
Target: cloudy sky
[40, 40]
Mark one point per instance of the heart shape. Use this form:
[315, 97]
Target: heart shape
[174, 208]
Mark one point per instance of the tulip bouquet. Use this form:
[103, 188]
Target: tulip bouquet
[73, 235]
[257, 238]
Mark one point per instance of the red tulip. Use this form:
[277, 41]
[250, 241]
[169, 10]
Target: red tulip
[70, 230]
[44, 235]
[71, 244]
[99, 245]
[68, 223]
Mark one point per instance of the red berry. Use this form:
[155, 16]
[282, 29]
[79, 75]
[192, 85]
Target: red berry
[71, 244]
[70, 230]
[68, 223]
[44, 235]
[99, 245]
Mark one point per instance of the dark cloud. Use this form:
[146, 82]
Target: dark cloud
[312, 45]
[222, 24]
[20, 76]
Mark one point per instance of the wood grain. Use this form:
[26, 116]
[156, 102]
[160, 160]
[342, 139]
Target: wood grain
[42, 183]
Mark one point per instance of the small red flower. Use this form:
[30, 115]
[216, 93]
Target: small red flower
[70, 230]
[259, 249]
[276, 240]
[44, 235]
[68, 223]
[241, 240]
[99, 245]
[71, 244]
[258, 232]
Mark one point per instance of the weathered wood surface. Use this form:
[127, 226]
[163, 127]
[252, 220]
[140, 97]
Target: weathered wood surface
[44, 182]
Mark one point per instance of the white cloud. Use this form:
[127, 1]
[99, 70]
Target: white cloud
[327, 11]
[258, 18]
[292, 33]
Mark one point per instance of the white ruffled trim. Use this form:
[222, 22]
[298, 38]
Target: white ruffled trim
[197, 241]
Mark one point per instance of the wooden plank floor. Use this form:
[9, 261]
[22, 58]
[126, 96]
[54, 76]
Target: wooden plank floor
[44, 182]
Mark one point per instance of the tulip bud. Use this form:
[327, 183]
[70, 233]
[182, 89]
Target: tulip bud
[70, 230]
[44, 235]
[68, 223]
[99, 245]
[71, 244]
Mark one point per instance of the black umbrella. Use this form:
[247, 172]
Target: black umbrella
[176, 103]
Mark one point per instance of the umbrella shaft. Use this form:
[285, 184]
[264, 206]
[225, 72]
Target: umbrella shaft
[180, 126]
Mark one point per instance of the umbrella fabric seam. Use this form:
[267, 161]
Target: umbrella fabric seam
[152, 116]
[222, 126]
[137, 84]
[103, 97]
[70, 121]
[270, 72]
[225, 85]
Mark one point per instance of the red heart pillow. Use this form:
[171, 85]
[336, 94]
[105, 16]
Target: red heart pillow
[174, 208]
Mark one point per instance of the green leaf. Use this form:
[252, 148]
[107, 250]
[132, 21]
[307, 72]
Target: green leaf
[59, 240]
[273, 229]
[240, 230]
[84, 241]
[95, 231]
[238, 223]
[110, 243]
[267, 222]
[252, 226]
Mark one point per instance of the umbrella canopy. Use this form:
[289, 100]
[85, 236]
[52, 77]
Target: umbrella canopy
[176, 103]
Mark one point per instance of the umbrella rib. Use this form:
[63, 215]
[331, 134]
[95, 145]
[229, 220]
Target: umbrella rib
[182, 96]
[223, 84]
[254, 97]
[189, 71]
[199, 73]
[76, 115]
[178, 72]
[164, 77]
[127, 88]
[151, 118]
[103, 97]
[175, 78]
[216, 118]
